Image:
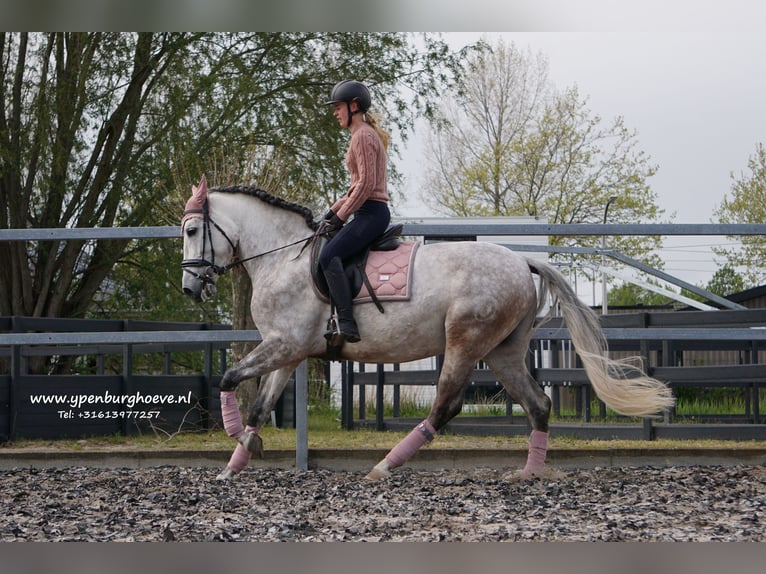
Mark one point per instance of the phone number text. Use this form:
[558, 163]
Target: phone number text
[71, 414]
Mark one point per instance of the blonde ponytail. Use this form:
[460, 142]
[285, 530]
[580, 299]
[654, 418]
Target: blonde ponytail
[374, 121]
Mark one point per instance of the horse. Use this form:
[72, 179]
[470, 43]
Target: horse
[470, 302]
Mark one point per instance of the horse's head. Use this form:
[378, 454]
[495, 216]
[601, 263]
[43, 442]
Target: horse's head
[206, 246]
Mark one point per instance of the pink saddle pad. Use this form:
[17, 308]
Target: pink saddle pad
[390, 273]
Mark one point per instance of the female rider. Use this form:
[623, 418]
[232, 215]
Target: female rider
[366, 199]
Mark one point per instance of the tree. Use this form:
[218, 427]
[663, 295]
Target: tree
[631, 295]
[747, 204]
[507, 143]
[724, 282]
[473, 136]
[98, 129]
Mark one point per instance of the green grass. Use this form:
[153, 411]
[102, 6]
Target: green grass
[688, 407]
[284, 439]
[325, 433]
[722, 406]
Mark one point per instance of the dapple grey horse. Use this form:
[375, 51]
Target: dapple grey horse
[470, 301]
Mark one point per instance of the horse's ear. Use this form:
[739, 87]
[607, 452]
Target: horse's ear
[196, 203]
[199, 194]
[201, 190]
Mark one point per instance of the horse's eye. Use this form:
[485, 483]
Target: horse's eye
[191, 231]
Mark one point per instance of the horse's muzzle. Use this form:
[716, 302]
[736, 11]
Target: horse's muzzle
[201, 291]
[199, 285]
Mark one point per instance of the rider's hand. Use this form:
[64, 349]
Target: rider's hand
[336, 222]
[330, 223]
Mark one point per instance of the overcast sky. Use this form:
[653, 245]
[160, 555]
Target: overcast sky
[697, 100]
[688, 75]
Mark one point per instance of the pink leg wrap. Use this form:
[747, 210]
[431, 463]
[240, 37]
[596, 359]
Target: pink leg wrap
[241, 456]
[424, 432]
[232, 422]
[538, 447]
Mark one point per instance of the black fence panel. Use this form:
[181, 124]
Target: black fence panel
[724, 350]
[53, 405]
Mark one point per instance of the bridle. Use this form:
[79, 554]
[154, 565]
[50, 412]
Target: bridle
[211, 268]
[208, 277]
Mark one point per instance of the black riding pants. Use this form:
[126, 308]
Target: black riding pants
[369, 221]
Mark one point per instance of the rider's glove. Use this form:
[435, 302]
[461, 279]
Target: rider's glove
[330, 223]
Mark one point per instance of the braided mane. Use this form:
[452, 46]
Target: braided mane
[301, 210]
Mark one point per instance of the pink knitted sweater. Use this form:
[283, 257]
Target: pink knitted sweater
[367, 165]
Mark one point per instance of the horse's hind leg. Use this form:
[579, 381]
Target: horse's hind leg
[249, 441]
[507, 362]
[473, 327]
[448, 403]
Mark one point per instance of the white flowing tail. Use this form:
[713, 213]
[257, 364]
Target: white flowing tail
[622, 386]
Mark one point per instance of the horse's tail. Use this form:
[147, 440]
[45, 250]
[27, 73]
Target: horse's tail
[622, 386]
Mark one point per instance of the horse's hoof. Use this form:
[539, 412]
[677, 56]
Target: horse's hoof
[375, 474]
[378, 472]
[253, 443]
[226, 474]
[527, 474]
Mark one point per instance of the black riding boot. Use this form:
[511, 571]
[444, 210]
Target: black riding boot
[340, 293]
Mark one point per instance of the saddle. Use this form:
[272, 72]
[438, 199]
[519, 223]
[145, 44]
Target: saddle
[354, 267]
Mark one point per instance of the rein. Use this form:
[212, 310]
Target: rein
[269, 252]
[208, 223]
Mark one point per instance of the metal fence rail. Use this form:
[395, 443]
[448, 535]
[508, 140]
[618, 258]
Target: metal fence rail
[433, 228]
[19, 347]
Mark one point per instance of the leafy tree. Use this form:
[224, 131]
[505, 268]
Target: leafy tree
[631, 295]
[500, 93]
[110, 129]
[747, 204]
[724, 282]
[507, 143]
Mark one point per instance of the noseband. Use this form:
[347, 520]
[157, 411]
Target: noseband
[211, 269]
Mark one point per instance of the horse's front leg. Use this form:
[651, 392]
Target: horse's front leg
[258, 362]
[270, 355]
[249, 441]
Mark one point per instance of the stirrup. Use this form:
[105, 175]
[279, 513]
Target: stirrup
[335, 336]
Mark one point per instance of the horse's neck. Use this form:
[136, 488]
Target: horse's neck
[260, 227]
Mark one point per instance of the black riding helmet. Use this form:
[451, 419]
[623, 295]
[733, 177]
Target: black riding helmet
[348, 91]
